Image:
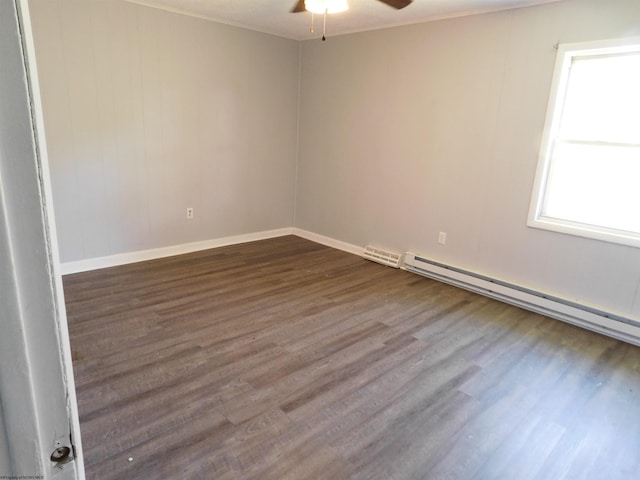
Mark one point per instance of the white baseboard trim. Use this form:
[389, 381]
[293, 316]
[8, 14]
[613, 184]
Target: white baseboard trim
[591, 318]
[328, 241]
[142, 255]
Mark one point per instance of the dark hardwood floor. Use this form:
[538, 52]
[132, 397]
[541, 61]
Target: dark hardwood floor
[285, 359]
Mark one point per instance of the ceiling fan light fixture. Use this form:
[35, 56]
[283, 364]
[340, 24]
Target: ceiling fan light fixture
[328, 6]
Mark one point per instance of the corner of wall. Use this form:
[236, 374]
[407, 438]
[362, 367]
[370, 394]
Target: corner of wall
[294, 219]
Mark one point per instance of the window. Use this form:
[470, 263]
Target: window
[588, 178]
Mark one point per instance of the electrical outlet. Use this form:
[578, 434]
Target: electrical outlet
[189, 212]
[442, 238]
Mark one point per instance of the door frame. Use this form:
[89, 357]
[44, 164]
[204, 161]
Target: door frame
[38, 407]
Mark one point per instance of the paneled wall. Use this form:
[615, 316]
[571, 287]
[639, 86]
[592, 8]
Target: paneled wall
[148, 113]
[403, 133]
[435, 127]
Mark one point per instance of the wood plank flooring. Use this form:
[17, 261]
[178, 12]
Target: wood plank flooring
[285, 359]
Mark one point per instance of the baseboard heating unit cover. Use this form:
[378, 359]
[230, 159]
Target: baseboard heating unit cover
[606, 323]
[384, 257]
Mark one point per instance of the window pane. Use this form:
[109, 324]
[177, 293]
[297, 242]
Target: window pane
[603, 100]
[596, 185]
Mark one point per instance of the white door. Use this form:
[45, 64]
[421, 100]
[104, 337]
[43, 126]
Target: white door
[39, 430]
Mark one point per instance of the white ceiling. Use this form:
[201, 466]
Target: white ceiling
[273, 16]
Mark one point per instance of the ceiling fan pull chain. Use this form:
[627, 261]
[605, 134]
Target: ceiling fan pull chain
[311, 28]
[324, 25]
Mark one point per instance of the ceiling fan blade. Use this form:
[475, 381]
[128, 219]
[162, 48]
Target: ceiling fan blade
[397, 3]
[299, 7]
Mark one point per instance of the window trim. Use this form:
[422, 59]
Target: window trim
[535, 219]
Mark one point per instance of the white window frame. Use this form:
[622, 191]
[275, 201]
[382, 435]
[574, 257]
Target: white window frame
[565, 55]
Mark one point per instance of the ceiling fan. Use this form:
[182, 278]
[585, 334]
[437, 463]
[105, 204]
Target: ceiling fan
[397, 4]
[333, 6]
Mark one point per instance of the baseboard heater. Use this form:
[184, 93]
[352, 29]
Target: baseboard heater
[606, 323]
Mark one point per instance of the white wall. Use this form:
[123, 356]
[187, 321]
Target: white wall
[435, 127]
[149, 112]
